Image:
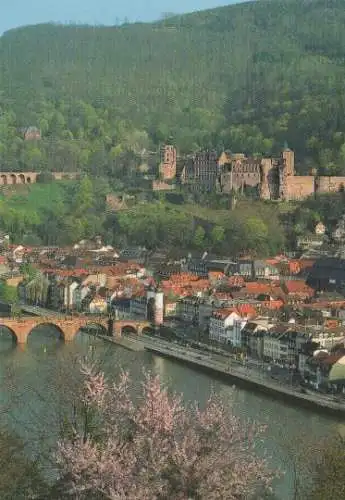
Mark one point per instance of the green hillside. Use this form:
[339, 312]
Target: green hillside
[246, 77]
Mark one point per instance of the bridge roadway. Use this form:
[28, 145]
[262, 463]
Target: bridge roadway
[40, 311]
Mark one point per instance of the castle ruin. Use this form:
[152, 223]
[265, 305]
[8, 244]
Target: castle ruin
[275, 178]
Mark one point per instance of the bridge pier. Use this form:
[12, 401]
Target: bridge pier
[117, 331]
[69, 329]
[21, 329]
[110, 327]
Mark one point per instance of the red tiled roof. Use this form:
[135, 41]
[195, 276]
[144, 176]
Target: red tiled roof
[236, 281]
[183, 277]
[294, 266]
[215, 274]
[332, 323]
[281, 257]
[246, 310]
[306, 263]
[272, 262]
[256, 288]
[298, 287]
[325, 304]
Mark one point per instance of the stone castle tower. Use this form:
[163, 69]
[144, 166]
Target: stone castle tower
[286, 171]
[266, 166]
[289, 161]
[167, 166]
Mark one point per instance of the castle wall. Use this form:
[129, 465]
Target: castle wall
[327, 184]
[235, 180]
[162, 186]
[299, 187]
[241, 174]
[251, 179]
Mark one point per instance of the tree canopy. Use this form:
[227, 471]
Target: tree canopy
[257, 74]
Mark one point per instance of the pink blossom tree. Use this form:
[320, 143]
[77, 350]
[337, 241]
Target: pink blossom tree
[152, 447]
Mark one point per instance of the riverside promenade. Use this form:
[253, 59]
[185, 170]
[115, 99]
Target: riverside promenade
[230, 371]
[251, 378]
[234, 373]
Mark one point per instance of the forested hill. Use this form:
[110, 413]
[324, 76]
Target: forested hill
[247, 77]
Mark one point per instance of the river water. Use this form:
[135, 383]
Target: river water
[35, 379]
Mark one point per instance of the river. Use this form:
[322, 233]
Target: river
[35, 379]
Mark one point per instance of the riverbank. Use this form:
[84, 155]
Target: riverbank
[245, 378]
[128, 343]
[227, 371]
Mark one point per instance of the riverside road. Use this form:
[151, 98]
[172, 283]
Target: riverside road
[227, 368]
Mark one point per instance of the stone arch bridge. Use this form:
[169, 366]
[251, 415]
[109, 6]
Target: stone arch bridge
[68, 327]
[14, 178]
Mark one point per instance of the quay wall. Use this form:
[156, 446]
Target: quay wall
[271, 389]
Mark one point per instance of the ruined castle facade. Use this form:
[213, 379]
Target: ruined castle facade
[274, 178]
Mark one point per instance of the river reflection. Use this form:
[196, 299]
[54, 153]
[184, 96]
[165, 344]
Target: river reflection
[36, 378]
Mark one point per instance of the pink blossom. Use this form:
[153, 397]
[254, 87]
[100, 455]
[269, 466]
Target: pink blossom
[155, 448]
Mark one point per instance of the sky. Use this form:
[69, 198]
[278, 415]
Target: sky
[16, 13]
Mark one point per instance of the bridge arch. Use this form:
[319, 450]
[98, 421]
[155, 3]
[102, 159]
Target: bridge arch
[28, 180]
[147, 330]
[49, 324]
[95, 326]
[12, 334]
[129, 329]
[13, 179]
[21, 179]
[3, 179]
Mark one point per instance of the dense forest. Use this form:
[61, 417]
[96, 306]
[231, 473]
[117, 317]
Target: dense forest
[246, 77]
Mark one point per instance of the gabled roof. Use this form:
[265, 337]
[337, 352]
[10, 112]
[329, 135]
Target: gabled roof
[298, 287]
[246, 310]
[256, 288]
[225, 313]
